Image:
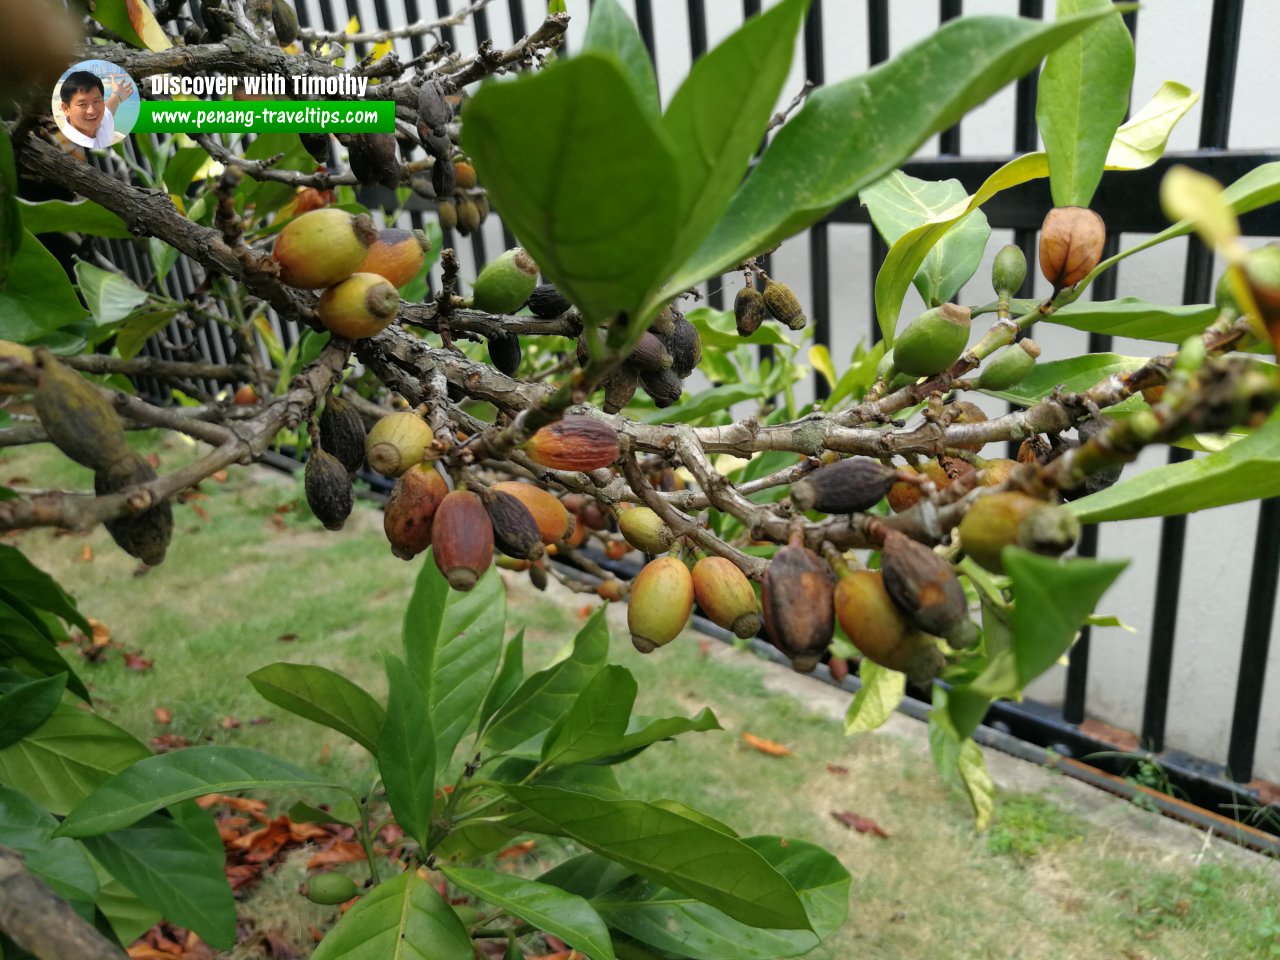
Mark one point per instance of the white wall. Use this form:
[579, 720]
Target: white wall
[1172, 40]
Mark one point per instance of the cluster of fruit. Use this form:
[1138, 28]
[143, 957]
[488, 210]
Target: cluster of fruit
[663, 358]
[358, 267]
[751, 308]
[459, 205]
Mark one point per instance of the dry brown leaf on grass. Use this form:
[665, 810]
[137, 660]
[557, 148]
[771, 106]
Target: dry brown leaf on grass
[134, 660]
[244, 804]
[86, 554]
[862, 824]
[219, 476]
[770, 747]
[101, 632]
[344, 851]
[837, 769]
[517, 850]
[163, 715]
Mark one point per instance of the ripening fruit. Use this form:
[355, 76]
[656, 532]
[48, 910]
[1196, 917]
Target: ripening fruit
[1008, 270]
[574, 443]
[396, 255]
[397, 442]
[796, 597]
[78, 419]
[878, 629]
[411, 508]
[645, 531]
[447, 213]
[322, 247]
[328, 488]
[962, 411]
[1008, 366]
[468, 216]
[330, 889]
[1071, 240]
[846, 486]
[246, 396]
[505, 283]
[462, 538]
[997, 471]
[933, 341]
[783, 305]
[360, 306]
[1015, 519]
[553, 520]
[926, 589]
[904, 495]
[725, 595]
[464, 174]
[661, 601]
[342, 432]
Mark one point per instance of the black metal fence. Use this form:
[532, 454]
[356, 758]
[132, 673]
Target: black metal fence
[1127, 206]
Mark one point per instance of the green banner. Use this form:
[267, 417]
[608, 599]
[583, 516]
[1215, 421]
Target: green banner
[266, 116]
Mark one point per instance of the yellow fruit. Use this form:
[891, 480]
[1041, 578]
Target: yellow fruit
[661, 601]
[322, 247]
[397, 442]
[359, 306]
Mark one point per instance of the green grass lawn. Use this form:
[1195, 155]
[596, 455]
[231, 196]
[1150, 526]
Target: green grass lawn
[255, 580]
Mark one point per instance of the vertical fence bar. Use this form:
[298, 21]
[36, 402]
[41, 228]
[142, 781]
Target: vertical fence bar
[697, 16]
[877, 52]
[751, 8]
[446, 33]
[949, 140]
[413, 14]
[516, 8]
[819, 247]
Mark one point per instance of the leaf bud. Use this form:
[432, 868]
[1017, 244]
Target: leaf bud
[1008, 366]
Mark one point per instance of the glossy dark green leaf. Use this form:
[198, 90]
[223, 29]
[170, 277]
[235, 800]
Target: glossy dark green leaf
[669, 920]
[10, 216]
[74, 216]
[611, 32]
[1131, 317]
[899, 203]
[506, 681]
[719, 115]
[1081, 99]
[67, 757]
[128, 917]
[707, 403]
[400, 919]
[542, 905]
[158, 781]
[407, 752]
[597, 719]
[851, 133]
[25, 708]
[719, 331]
[25, 637]
[37, 298]
[452, 643]
[674, 850]
[544, 697]
[642, 733]
[28, 828]
[174, 872]
[21, 576]
[322, 696]
[181, 168]
[1248, 469]
[584, 175]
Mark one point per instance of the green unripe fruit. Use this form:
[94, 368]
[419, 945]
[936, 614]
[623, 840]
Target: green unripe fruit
[1009, 270]
[661, 601]
[285, 21]
[322, 247]
[1008, 366]
[724, 593]
[932, 341]
[1014, 519]
[643, 529]
[330, 889]
[505, 283]
[78, 419]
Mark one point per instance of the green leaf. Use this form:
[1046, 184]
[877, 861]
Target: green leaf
[67, 757]
[140, 326]
[899, 203]
[37, 298]
[452, 642]
[28, 828]
[719, 331]
[37, 588]
[668, 920]
[718, 116]
[546, 907]
[174, 872]
[407, 752]
[111, 296]
[322, 696]
[576, 130]
[596, 721]
[1081, 99]
[506, 681]
[944, 740]
[881, 691]
[23, 709]
[1248, 469]
[664, 728]
[674, 850]
[182, 167]
[1141, 141]
[114, 15]
[158, 781]
[977, 784]
[1073, 376]
[124, 910]
[74, 216]
[25, 636]
[305, 813]
[400, 919]
[10, 216]
[707, 403]
[1136, 318]
[547, 695]
[612, 33]
[852, 133]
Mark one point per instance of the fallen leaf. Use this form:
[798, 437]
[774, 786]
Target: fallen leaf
[243, 804]
[136, 661]
[219, 476]
[241, 875]
[344, 851]
[770, 747]
[163, 715]
[517, 850]
[200, 511]
[261, 721]
[861, 824]
[101, 632]
[277, 521]
[229, 723]
[144, 951]
[169, 741]
[704, 648]
[585, 611]
[86, 554]
[837, 769]
[154, 460]
[287, 637]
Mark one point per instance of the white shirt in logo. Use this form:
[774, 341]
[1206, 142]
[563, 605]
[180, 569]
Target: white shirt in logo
[105, 137]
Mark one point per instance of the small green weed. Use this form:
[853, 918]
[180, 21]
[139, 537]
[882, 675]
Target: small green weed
[1028, 824]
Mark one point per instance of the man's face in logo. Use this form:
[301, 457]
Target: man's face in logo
[85, 111]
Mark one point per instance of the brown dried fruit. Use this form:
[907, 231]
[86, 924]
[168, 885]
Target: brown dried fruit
[620, 387]
[342, 432]
[504, 352]
[725, 595]
[846, 486]
[649, 353]
[553, 520]
[285, 21]
[328, 487]
[904, 495]
[397, 255]
[78, 419]
[374, 159]
[322, 247]
[926, 589]
[547, 302]
[360, 306]
[1071, 240]
[665, 322]
[574, 443]
[783, 304]
[462, 538]
[749, 311]
[397, 442]
[316, 144]
[645, 531]
[796, 597]
[664, 387]
[410, 511]
[444, 180]
[144, 535]
[661, 601]
[515, 532]
[433, 109]
[684, 344]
